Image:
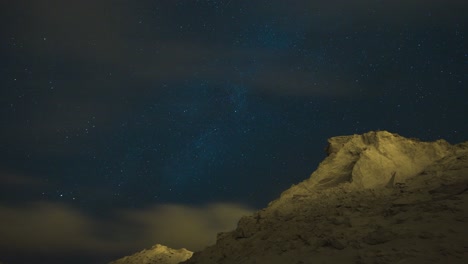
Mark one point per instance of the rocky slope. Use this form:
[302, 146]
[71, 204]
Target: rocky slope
[158, 254]
[376, 198]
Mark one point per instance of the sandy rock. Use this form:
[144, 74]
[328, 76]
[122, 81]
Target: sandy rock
[372, 159]
[378, 237]
[376, 198]
[158, 254]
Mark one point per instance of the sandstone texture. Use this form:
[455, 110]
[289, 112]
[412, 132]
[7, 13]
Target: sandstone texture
[377, 198]
[158, 254]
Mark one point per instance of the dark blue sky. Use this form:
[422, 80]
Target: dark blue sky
[112, 105]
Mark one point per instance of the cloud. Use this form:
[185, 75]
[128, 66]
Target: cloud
[184, 226]
[397, 12]
[58, 229]
[45, 227]
[286, 82]
[14, 179]
[70, 28]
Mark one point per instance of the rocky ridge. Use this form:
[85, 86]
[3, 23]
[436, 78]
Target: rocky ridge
[377, 198]
[158, 254]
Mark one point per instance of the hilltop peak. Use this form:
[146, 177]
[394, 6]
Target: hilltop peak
[158, 254]
[376, 198]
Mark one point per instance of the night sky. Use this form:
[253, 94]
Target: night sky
[130, 123]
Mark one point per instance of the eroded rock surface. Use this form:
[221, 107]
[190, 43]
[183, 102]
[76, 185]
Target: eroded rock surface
[158, 254]
[376, 198]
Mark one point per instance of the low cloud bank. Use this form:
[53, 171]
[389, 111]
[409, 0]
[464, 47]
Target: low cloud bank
[52, 228]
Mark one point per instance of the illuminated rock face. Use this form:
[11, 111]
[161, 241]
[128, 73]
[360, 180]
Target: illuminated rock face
[158, 254]
[373, 159]
[376, 198]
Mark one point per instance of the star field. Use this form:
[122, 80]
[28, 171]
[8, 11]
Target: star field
[107, 106]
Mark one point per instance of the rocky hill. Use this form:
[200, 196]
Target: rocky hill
[376, 198]
[158, 254]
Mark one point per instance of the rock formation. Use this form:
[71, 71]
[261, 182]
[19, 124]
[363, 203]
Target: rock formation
[158, 254]
[376, 198]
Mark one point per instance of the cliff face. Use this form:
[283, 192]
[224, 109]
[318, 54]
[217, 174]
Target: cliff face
[158, 254]
[376, 198]
[373, 159]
